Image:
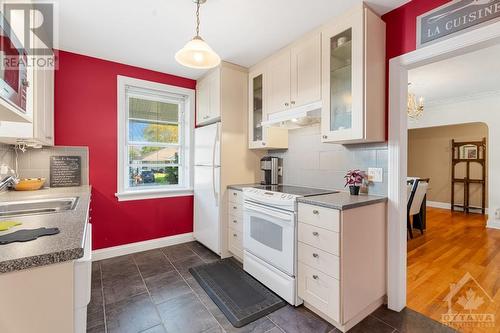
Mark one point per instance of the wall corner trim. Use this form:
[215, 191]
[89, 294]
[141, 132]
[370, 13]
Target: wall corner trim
[121, 250]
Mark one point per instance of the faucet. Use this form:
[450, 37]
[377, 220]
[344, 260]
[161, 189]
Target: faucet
[8, 181]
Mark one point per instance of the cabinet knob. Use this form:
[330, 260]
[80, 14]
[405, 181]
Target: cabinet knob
[315, 255]
[315, 212]
[315, 277]
[235, 235]
[293, 102]
[315, 233]
[286, 104]
[234, 207]
[235, 194]
[235, 221]
[325, 136]
[263, 143]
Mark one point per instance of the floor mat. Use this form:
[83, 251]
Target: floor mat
[239, 296]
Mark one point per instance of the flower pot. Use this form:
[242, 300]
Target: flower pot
[354, 189]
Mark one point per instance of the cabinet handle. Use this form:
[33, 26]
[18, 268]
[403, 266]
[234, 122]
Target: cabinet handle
[315, 255]
[286, 104]
[293, 102]
[315, 233]
[315, 277]
[315, 212]
[325, 136]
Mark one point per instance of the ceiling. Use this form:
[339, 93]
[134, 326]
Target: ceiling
[457, 78]
[148, 33]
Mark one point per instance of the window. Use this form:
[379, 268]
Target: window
[154, 122]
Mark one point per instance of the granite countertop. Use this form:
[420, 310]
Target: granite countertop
[342, 200]
[65, 246]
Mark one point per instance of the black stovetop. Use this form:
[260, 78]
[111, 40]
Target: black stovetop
[295, 190]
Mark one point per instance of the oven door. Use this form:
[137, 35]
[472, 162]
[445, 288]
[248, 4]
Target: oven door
[269, 234]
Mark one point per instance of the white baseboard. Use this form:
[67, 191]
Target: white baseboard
[446, 205]
[437, 204]
[493, 224]
[121, 250]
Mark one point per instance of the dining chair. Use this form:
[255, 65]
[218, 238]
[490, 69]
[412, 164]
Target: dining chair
[415, 200]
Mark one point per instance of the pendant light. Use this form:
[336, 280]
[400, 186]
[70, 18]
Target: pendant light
[197, 53]
[415, 108]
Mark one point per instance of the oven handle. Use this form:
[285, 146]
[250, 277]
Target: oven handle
[269, 212]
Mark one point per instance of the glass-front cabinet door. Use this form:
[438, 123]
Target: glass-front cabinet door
[343, 96]
[256, 110]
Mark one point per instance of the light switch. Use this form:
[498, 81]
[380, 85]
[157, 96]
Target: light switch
[375, 175]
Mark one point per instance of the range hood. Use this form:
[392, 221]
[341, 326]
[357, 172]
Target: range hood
[301, 116]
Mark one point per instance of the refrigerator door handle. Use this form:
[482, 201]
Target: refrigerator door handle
[216, 195]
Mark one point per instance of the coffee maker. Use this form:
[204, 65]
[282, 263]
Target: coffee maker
[269, 166]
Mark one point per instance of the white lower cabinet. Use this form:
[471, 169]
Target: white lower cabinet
[341, 261]
[235, 224]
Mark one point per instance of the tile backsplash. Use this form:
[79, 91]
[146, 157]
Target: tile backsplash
[309, 162]
[36, 162]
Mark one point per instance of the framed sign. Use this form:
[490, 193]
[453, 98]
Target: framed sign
[453, 17]
[65, 171]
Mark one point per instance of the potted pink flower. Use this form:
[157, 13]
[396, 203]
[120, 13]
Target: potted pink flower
[353, 179]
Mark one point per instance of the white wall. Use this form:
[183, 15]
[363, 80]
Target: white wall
[479, 108]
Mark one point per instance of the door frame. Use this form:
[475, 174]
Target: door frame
[476, 39]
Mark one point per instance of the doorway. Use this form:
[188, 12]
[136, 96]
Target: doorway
[474, 40]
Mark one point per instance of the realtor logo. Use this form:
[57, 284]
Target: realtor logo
[28, 32]
[453, 17]
[467, 303]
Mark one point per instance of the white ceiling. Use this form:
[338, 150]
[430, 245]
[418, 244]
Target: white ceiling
[148, 33]
[457, 78]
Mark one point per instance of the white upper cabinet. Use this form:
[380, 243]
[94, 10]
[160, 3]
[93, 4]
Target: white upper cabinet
[208, 98]
[43, 107]
[294, 75]
[260, 137]
[278, 80]
[305, 87]
[353, 88]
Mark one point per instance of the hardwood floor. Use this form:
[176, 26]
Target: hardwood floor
[453, 245]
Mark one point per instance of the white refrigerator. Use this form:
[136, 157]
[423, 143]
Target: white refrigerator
[207, 186]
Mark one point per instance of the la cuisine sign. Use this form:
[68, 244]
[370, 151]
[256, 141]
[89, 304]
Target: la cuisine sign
[453, 17]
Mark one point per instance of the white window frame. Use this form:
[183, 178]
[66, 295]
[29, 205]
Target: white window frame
[125, 193]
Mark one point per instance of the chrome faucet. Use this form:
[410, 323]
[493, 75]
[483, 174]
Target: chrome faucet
[7, 182]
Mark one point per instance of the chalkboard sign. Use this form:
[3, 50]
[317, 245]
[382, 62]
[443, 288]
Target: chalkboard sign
[65, 171]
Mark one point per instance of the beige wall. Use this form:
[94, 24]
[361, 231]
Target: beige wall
[429, 156]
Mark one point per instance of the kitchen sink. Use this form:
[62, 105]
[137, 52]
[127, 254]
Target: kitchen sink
[41, 206]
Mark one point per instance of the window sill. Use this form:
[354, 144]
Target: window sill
[153, 194]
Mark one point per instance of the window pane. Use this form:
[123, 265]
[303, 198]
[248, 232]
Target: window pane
[153, 155]
[153, 110]
[141, 176]
[142, 131]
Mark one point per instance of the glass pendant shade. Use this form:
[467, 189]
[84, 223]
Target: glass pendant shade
[197, 54]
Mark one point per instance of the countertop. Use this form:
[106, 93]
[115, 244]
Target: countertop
[240, 187]
[342, 200]
[65, 246]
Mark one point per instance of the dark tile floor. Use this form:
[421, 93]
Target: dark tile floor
[153, 292]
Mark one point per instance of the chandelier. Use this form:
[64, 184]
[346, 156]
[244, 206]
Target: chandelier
[197, 53]
[415, 108]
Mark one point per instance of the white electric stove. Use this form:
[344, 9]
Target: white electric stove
[270, 234]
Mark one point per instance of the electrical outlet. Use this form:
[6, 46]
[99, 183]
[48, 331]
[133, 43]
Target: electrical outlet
[375, 175]
[497, 214]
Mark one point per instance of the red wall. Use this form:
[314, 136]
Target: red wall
[85, 115]
[401, 25]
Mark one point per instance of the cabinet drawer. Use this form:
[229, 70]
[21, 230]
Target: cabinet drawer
[236, 197]
[319, 216]
[319, 290]
[235, 241]
[236, 222]
[319, 238]
[320, 260]
[235, 209]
